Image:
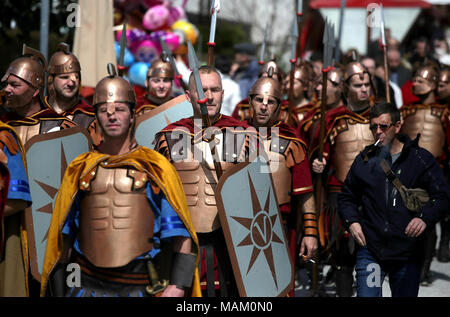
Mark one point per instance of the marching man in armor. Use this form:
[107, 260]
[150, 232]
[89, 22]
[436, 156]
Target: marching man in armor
[443, 90]
[303, 91]
[335, 87]
[159, 84]
[347, 132]
[186, 143]
[64, 82]
[27, 115]
[121, 213]
[289, 166]
[15, 198]
[242, 110]
[430, 119]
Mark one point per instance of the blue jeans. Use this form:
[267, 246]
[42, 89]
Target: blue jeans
[404, 276]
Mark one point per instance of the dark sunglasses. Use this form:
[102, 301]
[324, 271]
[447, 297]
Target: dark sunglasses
[383, 127]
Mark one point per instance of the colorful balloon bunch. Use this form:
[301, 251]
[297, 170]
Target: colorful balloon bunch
[161, 20]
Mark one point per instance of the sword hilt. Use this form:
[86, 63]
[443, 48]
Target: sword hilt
[156, 287]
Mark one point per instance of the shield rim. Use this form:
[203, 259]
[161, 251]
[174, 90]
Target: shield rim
[29, 225]
[227, 234]
[167, 105]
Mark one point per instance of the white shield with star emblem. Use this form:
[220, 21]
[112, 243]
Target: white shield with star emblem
[48, 156]
[150, 123]
[251, 222]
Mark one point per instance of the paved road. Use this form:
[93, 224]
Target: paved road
[440, 286]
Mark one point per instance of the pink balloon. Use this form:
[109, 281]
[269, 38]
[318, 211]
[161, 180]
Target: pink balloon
[172, 40]
[146, 51]
[175, 14]
[133, 36]
[155, 18]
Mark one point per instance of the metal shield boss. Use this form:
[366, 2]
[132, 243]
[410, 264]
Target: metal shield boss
[150, 123]
[48, 156]
[251, 222]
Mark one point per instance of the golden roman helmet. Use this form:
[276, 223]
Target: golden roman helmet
[30, 67]
[336, 75]
[428, 72]
[264, 69]
[112, 89]
[63, 61]
[161, 68]
[444, 75]
[355, 68]
[304, 72]
[267, 86]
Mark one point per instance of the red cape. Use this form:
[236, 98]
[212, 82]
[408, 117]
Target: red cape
[222, 123]
[81, 106]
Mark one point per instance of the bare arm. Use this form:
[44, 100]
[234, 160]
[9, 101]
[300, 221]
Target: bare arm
[13, 206]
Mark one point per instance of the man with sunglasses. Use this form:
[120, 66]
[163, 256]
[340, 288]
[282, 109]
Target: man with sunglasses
[430, 119]
[390, 236]
[346, 134]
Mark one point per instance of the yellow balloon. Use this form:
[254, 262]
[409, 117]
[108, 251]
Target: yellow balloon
[188, 29]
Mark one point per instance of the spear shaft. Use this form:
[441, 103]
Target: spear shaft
[386, 66]
[202, 100]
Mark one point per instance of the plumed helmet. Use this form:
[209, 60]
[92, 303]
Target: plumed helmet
[264, 69]
[63, 61]
[30, 68]
[355, 68]
[161, 68]
[267, 86]
[112, 89]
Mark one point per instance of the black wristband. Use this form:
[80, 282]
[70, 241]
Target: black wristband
[183, 267]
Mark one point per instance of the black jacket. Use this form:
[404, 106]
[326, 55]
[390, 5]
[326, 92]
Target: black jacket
[370, 199]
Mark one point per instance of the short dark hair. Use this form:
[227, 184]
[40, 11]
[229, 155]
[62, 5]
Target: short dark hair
[385, 107]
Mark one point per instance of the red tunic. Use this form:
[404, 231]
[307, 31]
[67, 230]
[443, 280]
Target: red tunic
[242, 110]
[144, 104]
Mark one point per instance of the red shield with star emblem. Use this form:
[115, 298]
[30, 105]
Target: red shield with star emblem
[255, 237]
[48, 156]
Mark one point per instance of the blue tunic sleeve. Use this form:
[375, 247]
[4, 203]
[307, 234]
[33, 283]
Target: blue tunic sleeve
[19, 187]
[167, 222]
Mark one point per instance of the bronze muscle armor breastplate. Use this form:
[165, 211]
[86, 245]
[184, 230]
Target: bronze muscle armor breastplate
[199, 182]
[26, 132]
[352, 140]
[428, 123]
[281, 174]
[116, 221]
